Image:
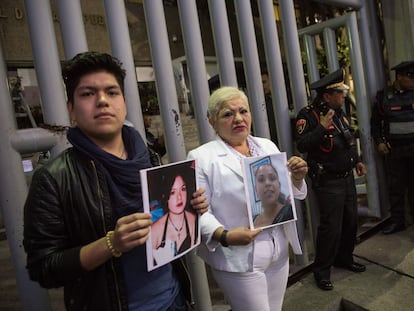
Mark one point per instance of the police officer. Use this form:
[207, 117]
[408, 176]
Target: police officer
[324, 133]
[392, 128]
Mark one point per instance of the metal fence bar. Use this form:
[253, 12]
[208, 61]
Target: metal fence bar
[121, 48]
[222, 42]
[72, 27]
[13, 193]
[196, 66]
[252, 68]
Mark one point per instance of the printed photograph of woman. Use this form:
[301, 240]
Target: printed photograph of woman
[175, 231]
[271, 203]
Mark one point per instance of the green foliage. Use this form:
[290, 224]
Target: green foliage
[343, 51]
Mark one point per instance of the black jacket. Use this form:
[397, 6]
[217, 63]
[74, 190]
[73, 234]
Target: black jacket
[334, 148]
[393, 117]
[68, 206]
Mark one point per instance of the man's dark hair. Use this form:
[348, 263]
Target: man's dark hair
[88, 62]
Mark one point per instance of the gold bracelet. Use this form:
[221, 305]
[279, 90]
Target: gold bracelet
[110, 246]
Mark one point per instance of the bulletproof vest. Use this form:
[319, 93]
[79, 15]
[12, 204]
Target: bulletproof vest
[399, 110]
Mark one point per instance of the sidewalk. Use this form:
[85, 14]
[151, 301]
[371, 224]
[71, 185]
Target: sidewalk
[387, 285]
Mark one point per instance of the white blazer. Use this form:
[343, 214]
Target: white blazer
[219, 171]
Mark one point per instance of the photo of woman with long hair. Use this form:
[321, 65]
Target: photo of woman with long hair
[176, 231]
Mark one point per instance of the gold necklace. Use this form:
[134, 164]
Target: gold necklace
[248, 153]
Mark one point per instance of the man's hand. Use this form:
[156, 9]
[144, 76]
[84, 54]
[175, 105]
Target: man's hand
[326, 120]
[383, 149]
[131, 231]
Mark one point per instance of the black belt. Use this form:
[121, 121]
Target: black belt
[338, 175]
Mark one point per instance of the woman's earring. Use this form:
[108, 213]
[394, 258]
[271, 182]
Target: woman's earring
[73, 122]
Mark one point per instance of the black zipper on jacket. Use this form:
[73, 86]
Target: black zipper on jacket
[105, 228]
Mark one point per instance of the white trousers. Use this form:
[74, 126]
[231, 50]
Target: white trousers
[264, 288]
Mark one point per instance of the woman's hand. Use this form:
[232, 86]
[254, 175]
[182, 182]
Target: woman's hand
[199, 201]
[298, 169]
[239, 235]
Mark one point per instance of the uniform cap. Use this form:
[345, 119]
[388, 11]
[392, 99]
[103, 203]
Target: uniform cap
[404, 67]
[332, 81]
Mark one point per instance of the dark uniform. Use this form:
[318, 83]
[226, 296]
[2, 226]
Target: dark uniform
[331, 156]
[271, 118]
[269, 107]
[392, 124]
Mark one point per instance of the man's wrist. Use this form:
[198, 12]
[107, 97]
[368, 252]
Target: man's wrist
[110, 245]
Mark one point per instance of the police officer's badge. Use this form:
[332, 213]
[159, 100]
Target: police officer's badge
[300, 126]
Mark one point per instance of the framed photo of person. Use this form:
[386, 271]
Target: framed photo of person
[268, 190]
[166, 194]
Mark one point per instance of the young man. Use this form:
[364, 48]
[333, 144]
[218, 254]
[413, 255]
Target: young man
[324, 133]
[392, 127]
[85, 228]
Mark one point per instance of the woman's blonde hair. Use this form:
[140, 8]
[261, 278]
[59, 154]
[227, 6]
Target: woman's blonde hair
[222, 95]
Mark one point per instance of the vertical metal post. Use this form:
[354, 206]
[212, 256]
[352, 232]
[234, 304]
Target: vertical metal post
[371, 49]
[13, 193]
[312, 208]
[375, 79]
[311, 58]
[117, 26]
[48, 70]
[293, 54]
[222, 42]
[329, 40]
[252, 67]
[200, 92]
[46, 59]
[276, 78]
[363, 112]
[164, 76]
[193, 46]
[72, 27]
